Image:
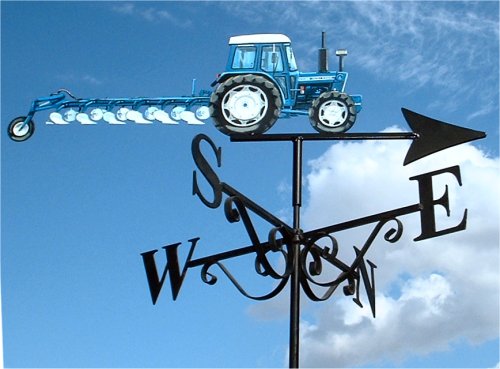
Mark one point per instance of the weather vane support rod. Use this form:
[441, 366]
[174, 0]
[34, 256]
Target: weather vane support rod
[295, 277]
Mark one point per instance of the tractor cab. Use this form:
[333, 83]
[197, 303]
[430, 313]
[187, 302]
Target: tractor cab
[262, 83]
[269, 55]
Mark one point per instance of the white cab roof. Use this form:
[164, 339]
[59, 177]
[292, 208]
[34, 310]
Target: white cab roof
[262, 38]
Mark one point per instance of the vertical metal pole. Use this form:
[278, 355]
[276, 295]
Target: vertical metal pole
[295, 277]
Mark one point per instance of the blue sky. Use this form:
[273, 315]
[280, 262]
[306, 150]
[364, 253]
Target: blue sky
[81, 203]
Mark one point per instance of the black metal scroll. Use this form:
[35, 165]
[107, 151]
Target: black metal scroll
[301, 254]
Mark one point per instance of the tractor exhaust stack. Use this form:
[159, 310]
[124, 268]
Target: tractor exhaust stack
[323, 55]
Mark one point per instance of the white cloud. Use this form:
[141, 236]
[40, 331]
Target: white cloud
[91, 80]
[431, 293]
[152, 14]
[74, 79]
[124, 8]
[449, 47]
[431, 45]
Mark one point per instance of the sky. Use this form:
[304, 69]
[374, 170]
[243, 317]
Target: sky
[80, 203]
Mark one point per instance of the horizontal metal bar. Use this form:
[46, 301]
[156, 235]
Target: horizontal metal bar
[304, 236]
[366, 220]
[325, 136]
[221, 256]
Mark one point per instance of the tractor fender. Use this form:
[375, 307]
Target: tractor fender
[224, 76]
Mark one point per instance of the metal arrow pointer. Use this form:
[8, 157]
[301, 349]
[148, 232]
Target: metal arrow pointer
[429, 136]
[434, 135]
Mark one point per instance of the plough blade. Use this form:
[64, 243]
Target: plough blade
[190, 118]
[110, 118]
[123, 115]
[137, 117]
[153, 113]
[84, 119]
[56, 118]
[118, 111]
[149, 116]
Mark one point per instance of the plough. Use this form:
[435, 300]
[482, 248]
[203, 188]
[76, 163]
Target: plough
[143, 110]
[260, 84]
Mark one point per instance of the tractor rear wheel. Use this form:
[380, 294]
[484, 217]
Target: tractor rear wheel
[245, 104]
[332, 112]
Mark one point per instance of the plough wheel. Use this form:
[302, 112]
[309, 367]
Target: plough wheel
[245, 104]
[332, 112]
[18, 131]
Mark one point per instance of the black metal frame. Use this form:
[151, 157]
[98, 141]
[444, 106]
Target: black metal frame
[301, 247]
[302, 255]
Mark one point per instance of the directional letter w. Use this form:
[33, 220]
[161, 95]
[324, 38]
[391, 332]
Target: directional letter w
[172, 267]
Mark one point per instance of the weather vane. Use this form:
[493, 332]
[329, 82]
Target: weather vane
[262, 83]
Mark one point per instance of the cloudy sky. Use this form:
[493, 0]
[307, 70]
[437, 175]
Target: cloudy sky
[81, 203]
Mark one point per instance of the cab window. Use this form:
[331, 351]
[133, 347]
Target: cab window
[292, 64]
[244, 57]
[271, 59]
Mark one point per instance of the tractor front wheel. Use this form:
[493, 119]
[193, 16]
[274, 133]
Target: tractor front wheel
[245, 104]
[332, 112]
[19, 131]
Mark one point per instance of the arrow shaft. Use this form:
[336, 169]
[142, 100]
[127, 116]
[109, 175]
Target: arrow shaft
[326, 137]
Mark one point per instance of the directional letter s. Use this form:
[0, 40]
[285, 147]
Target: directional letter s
[207, 171]
[427, 215]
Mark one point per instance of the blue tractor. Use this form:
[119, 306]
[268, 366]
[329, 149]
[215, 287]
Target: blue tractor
[261, 83]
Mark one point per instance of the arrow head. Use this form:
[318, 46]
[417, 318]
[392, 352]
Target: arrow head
[434, 135]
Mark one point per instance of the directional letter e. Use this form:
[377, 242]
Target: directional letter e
[172, 267]
[427, 215]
